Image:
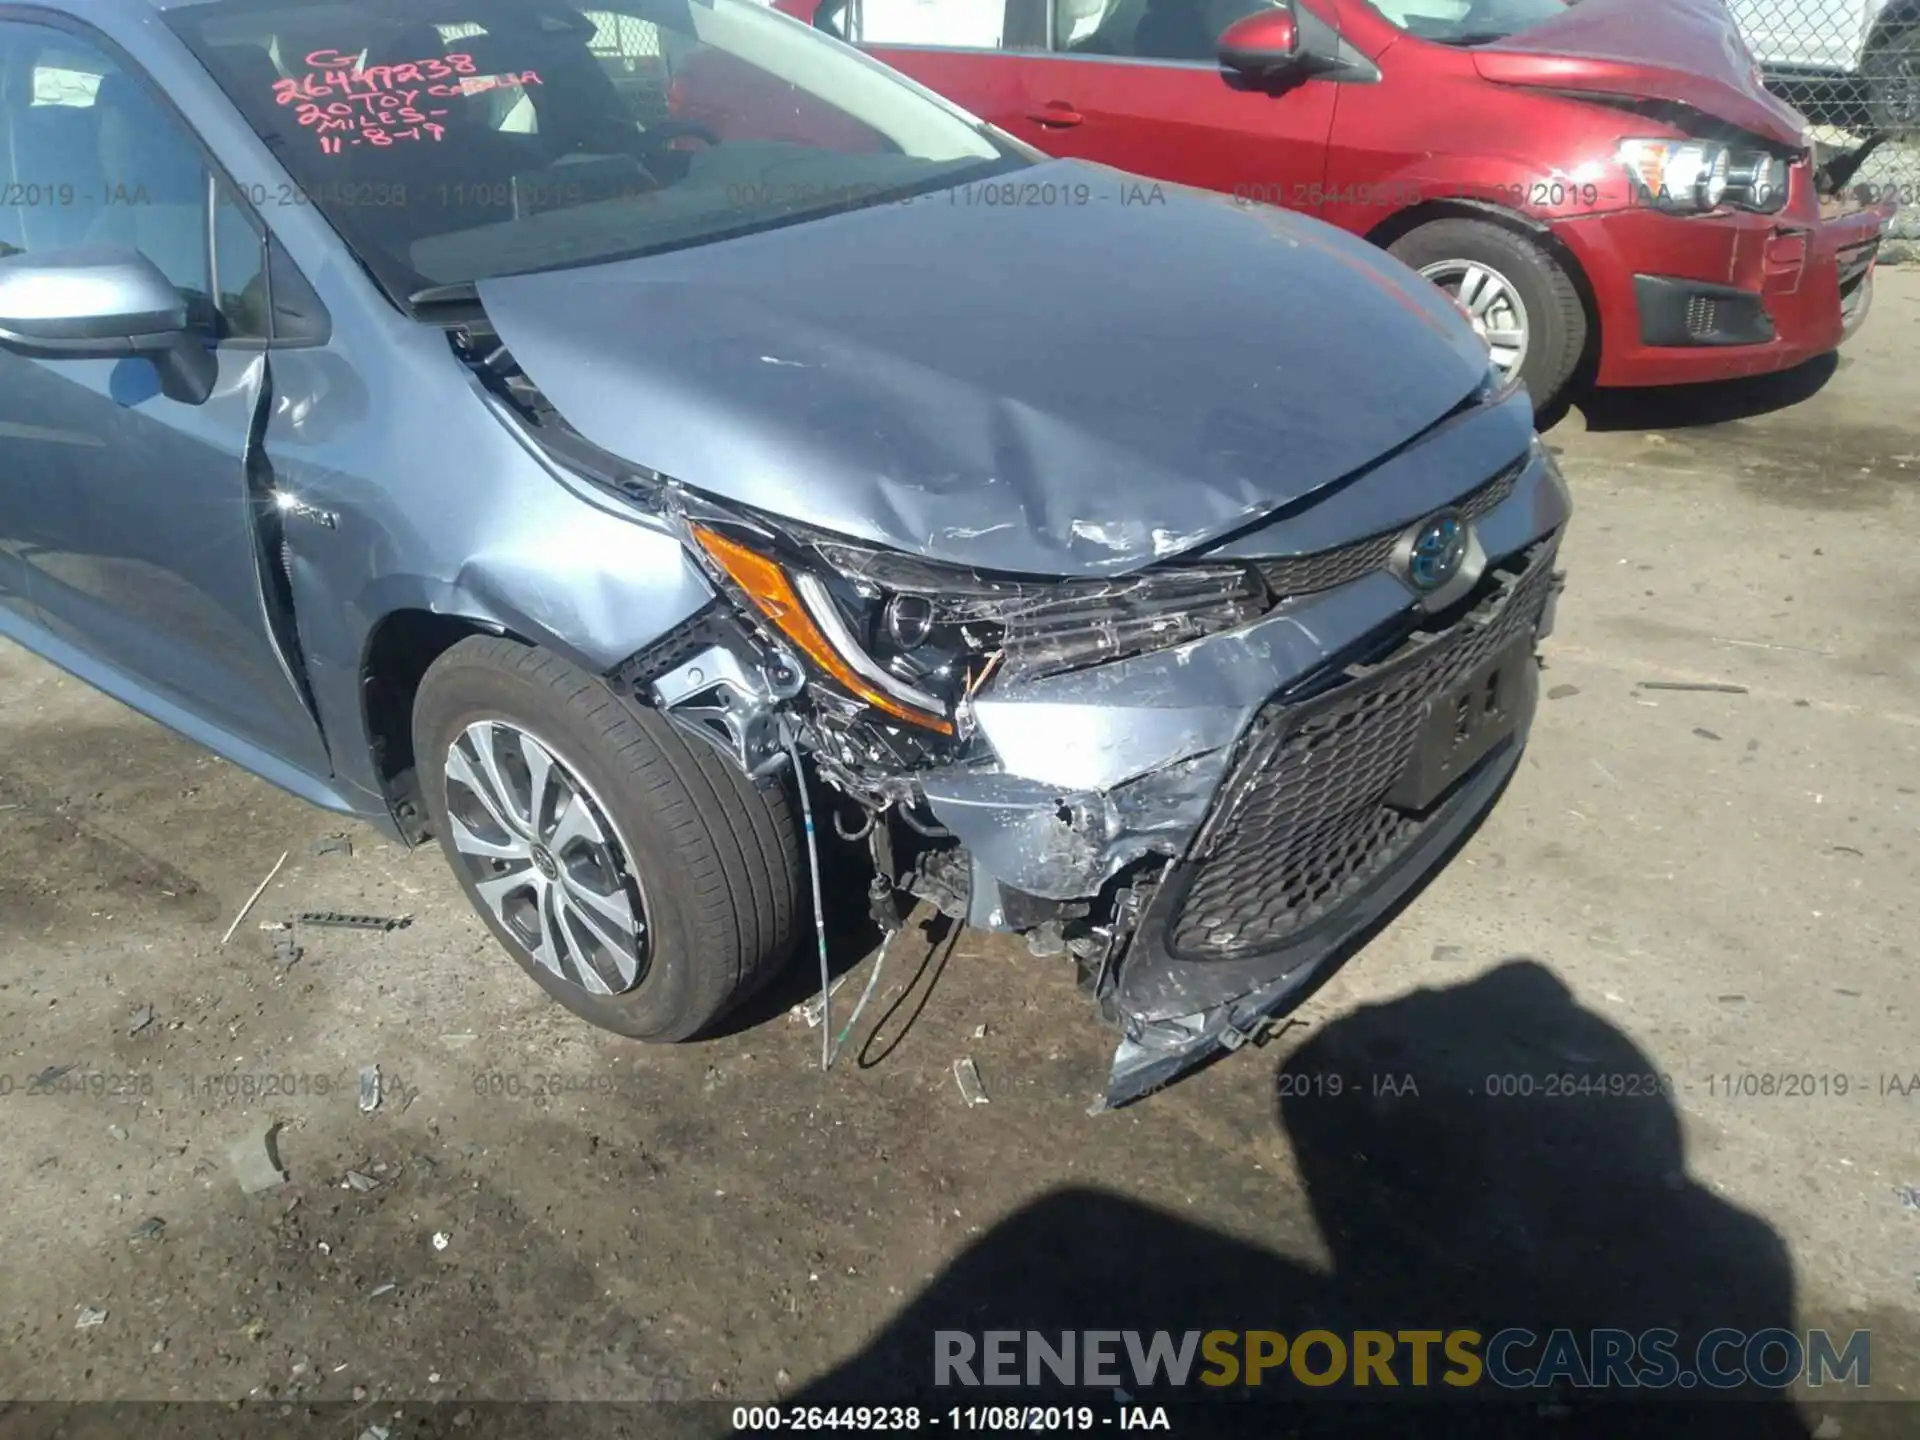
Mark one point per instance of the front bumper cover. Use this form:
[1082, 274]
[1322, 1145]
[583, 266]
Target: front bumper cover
[1726, 295]
[1310, 844]
[1143, 758]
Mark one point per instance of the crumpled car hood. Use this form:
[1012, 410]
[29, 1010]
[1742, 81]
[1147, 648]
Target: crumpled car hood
[1039, 387]
[1689, 51]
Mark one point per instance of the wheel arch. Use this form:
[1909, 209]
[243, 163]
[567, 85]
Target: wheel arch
[1403, 222]
[417, 619]
[400, 647]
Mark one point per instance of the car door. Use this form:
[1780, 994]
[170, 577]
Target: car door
[969, 51]
[132, 514]
[1137, 84]
[1134, 84]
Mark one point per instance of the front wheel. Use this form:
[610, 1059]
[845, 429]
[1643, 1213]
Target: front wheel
[639, 879]
[1520, 300]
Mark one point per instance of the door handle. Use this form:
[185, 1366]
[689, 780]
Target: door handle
[1057, 113]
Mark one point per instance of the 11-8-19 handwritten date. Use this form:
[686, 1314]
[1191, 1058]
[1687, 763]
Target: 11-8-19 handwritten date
[345, 103]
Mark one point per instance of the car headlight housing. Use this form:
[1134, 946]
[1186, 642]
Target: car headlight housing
[1690, 177]
[1758, 180]
[915, 639]
[1683, 177]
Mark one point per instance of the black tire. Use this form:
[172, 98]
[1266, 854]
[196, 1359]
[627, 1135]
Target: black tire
[1892, 74]
[1556, 320]
[718, 859]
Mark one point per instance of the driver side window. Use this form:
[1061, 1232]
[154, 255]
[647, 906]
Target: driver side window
[1180, 30]
[940, 24]
[91, 157]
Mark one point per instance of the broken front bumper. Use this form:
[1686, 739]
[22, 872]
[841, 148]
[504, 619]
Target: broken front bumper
[1286, 771]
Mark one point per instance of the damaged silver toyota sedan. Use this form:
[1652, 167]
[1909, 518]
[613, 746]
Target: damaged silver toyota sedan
[606, 435]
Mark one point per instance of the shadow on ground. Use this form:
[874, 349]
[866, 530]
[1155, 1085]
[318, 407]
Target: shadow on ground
[1443, 1207]
[1714, 402]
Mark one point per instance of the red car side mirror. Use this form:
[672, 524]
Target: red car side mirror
[1262, 45]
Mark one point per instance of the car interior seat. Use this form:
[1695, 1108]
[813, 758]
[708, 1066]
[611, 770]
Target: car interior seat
[44, 148]
[155, 185]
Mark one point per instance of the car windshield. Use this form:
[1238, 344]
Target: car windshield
[1468, 22]
[452, 141]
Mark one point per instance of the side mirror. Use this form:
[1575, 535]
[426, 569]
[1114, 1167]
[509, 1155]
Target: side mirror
[94, 302]
[1264, 45]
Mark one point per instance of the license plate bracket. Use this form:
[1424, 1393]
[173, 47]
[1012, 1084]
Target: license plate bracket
[1465, 724]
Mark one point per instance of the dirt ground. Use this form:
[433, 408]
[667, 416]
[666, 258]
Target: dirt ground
[1713, 886]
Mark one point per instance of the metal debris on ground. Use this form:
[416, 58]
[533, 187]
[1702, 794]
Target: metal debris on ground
[967, 1076]
[369, 1089]
[276, 925]
[254, 899]
[815, 1010]
[363, 1183]
[152, 1228]
[1909, 1196]
[256, 1161]
[376, 1432]
[379, 1290]
[334, 920]
[1704, 687]
[441, 1239]
[90, 1317]
[333, 845]
[142, 1018]
[980, 1032]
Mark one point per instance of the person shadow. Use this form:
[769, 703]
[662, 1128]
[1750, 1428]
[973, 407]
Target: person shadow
[1461, 1175]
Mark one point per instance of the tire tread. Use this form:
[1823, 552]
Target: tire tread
[738, 843]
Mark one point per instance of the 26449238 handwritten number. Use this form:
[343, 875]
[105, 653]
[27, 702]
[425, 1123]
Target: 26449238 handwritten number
[347, 104]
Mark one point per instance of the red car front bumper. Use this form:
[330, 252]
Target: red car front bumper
[1721, 296]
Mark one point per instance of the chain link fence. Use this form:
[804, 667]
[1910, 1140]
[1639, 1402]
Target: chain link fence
[1852, 67]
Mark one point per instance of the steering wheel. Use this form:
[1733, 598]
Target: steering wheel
[657, 137]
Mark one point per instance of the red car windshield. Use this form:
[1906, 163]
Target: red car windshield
[456, 140]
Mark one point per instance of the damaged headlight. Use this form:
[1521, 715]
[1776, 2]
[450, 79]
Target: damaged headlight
[915, 638]
[1687, 177]
[1682, 176]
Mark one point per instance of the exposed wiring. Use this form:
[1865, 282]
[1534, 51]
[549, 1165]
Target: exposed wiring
[879, 961]
[986, 673]
[819, 908]
[861, 834]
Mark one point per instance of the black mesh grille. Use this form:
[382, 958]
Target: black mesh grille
[1326, 569]
[1303, 822]
[1702, 315]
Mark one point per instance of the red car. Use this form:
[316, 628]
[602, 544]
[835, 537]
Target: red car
[1605, 186]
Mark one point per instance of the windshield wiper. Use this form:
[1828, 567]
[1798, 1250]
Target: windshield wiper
[461, 292]
[446, 304]
[1472, 37]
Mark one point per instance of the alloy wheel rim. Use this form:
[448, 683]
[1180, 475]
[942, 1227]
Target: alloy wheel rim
[545, 859]
[1491, 303]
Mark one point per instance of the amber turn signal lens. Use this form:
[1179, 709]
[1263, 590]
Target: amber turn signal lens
[766, 584]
